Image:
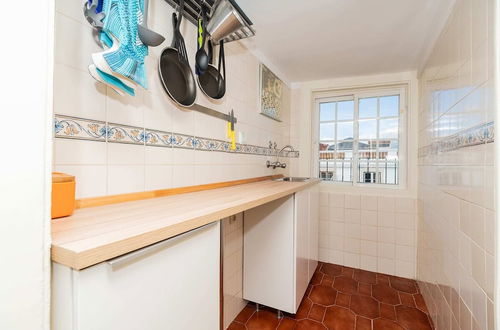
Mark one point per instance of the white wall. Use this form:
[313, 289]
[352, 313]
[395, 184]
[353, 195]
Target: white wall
[26, 164]
[456, 191]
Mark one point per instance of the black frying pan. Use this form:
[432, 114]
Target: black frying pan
[175, 72]
[212, 82]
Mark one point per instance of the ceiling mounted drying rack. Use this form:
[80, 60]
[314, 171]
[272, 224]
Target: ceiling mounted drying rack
[192, 11]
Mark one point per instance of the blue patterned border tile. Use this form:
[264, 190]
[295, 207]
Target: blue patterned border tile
[126, 134]
[78, 128]
[480, 134]
[182, 141]
[158, 138]
[68, 127]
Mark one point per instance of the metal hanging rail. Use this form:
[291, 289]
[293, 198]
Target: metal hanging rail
[192, 9]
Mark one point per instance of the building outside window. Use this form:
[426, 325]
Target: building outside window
[361, 137]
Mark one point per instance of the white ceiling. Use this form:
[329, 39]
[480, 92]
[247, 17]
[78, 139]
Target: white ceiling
[319, 39]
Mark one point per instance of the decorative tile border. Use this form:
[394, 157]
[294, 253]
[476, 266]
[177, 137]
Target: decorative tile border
[66, 127]
[480, 134]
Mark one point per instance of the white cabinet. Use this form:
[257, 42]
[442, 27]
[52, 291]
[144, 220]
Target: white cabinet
[173, 284]
[281, 250]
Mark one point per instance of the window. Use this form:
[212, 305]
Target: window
[361, 137]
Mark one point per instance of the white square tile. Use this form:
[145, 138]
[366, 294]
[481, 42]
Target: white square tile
[336, 200]
[126, 154]
[352, 245]
[386, 250]
[405, 205]
[324, 213]
[405, 237]
[405, 253]
[352, 201]
[324, 241]
[369, 248]
[352, 216]
[369, 233]
[386, 235]
[337, 228]
[369, 203]
[336, 243]
[337, 213]
[91, 180]
[405, 269]
[386, 219]
[79, 152]
[158, 155]
[368, 263]
[183, 176]
[386, 266]
[351, 260]
[336, 257]
[352, 230]
[405, 221]
[158, 177]
[369, 217]
[123, 179]
[386, 204]
[323, 198]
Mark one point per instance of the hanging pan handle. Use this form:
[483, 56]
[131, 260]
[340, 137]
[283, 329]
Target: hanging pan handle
[222, 60]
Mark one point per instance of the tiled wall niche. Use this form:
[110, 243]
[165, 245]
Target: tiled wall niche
[456, 227]
[368, 232]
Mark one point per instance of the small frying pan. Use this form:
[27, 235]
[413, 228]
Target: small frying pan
[212, 82]
[175, 72]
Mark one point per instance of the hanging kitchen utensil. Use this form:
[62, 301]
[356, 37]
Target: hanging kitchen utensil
[201, 55]
[222, 72]
[92, 10]
[212, 83]
[226, 19]
[147, 36]
[175, 72]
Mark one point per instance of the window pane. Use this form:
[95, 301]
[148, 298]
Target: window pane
[345, 110]
[327, 131]
[327, 111]
[389, 128]
[368, 129]
[344, 130]
[389, 106]
[368, 107]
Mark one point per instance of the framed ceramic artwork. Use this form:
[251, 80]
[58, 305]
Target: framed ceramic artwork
[271, 91]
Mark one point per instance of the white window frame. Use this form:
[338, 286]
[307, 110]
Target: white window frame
[356, 95]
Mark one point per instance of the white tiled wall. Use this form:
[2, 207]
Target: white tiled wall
[368, 232]
[107, 168]
[456, 188]
[232, 236]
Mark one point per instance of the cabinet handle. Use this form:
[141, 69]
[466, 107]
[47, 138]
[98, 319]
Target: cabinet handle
[125, 259]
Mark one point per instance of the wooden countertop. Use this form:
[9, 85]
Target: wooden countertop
[96, 234]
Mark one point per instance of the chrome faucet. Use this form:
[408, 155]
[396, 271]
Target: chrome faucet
[277, 162]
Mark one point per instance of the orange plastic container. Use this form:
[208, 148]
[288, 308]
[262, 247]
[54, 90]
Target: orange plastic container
[63, 195]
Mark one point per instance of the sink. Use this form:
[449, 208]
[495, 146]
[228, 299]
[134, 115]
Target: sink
[292, 179]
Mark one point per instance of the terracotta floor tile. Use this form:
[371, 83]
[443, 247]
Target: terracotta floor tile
[338, 318]
[384, 293]
[412, 318]
[287, 324]
[420, 302]
[263, 320]
[309, 325]
[236, 326]
[403, 284]
[363, 323]
[365, 289]
[323, 295]
[365, 276]
[327, 281]
[383, 324]
[387, 312]
[365, 306]
[382, 278]
[345, 284]
[304, 308]
[348, 271]
[245, 314]
[316, 279]
[317, 312]
[331, 270]
[407, 299]
[343, 300]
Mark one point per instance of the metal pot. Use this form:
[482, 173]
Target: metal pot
[226, 19]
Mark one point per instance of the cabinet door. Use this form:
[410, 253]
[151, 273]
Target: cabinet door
[173, 287]
[313, 229]
[301, 244]
[268, 255]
